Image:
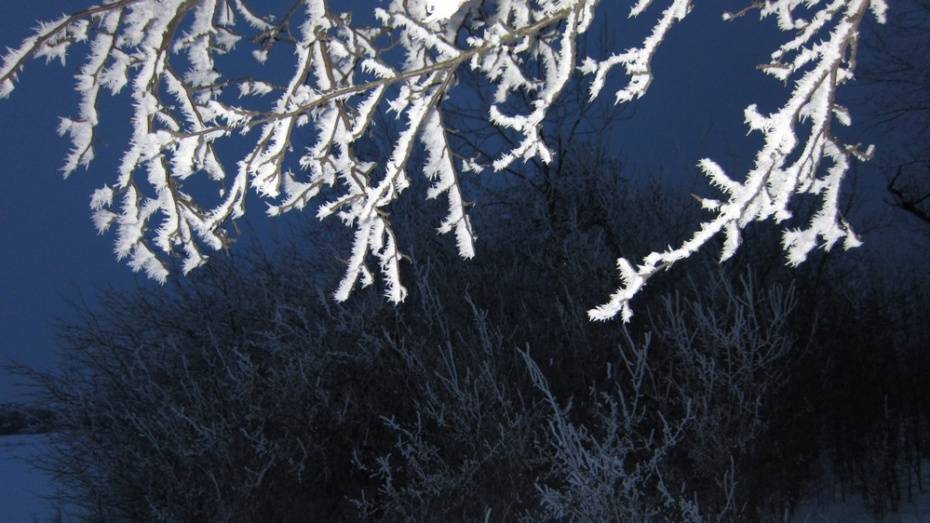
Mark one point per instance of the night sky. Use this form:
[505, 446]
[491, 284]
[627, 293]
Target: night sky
[705, 76]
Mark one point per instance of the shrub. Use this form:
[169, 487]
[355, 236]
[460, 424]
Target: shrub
[245, 394]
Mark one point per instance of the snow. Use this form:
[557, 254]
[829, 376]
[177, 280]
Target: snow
[340, 80]
[24, 490]
[787, 166]
[440, 10]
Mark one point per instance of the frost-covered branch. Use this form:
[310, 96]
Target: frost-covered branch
[405, 64]
[798, 141]
[165, 52]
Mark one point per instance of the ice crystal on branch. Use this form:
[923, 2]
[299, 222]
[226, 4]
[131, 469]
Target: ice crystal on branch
[800, 154]
[344, 76]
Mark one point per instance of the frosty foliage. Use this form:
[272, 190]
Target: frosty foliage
[167, 54]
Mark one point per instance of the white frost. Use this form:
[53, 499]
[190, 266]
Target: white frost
[184, 107]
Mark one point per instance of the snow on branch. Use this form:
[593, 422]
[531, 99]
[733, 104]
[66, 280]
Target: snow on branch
[798, 142]
[164, 51]
[637, 62]
[345, 77]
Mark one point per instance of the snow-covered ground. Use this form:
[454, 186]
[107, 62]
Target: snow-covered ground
[23, 488]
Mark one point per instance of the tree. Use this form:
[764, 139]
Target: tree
[169, 53]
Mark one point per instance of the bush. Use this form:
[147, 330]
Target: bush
[17, 418]
[245, 394]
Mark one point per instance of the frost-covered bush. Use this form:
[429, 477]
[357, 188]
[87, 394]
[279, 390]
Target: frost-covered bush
[649, 437]
[468, 452]
[729, 346]
[245, 394]
[670, 426]
[617, 466]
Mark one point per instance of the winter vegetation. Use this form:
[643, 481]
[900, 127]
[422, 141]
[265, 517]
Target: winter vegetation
[23, 419]
[480, 389]
[244, 393]
[188, 102]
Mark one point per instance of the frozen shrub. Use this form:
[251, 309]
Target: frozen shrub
[245, 394]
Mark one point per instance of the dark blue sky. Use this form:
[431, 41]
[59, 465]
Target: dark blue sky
[50, 250]
[51, 254]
